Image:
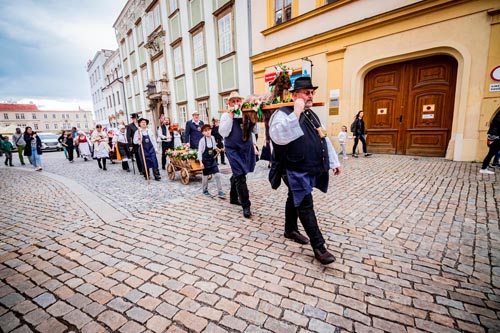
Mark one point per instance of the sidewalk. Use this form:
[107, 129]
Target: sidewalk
[417, 243]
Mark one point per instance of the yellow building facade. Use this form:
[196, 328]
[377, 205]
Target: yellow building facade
[420, 70]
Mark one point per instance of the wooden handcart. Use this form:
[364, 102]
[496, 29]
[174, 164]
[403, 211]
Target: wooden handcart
[187, 168]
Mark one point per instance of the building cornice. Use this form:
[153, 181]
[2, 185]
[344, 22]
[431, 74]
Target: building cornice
[397, 15]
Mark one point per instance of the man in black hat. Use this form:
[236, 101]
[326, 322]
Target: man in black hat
[131, 129]
[303, 155]
[145, 137]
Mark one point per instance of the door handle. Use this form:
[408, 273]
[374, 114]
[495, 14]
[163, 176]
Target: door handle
[401, 118]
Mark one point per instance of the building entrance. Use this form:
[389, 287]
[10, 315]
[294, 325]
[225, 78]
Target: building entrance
[409, 106]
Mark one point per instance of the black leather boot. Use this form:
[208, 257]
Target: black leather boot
[156, 174]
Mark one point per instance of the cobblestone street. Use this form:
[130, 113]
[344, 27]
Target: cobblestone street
[417, 243]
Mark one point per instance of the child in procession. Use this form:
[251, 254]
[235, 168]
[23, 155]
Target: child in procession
[342, 137]
[7, 148]
[121, 145]
[207, 148]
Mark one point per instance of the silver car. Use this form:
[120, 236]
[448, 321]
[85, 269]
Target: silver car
[49, 141]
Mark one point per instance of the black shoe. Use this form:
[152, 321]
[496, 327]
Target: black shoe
[323, 255]
[104, 169]
[223, 163]
[368, 154]
[11, 164]
[235, 202]
[297, 237]
[355, 155]
[23, 164]
[246, 212]
[128, 170]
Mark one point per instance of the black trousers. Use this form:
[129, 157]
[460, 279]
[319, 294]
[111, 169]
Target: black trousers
[239, 190]
[71, 153]
[356, 140]
[304, 212]
[493, 149]
[137, 156]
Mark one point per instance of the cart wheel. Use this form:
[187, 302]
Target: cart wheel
[170, 171]
[209, 177]
[184, 176]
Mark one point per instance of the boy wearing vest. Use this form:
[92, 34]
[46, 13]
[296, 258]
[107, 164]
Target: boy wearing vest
[207, 149]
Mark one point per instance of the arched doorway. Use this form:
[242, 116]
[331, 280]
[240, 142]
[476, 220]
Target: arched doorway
[409, 106]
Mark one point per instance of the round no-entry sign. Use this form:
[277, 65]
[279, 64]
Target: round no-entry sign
[495, 74]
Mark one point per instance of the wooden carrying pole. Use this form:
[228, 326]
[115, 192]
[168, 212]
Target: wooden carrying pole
[274, 106]
[143, 156]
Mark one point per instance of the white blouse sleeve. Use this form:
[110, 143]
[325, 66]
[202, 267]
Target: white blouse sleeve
[225, 126]
[284, 129]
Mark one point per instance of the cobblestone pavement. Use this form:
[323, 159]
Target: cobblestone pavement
[417, 243]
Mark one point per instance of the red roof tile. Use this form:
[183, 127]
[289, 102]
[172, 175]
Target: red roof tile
[18, 107]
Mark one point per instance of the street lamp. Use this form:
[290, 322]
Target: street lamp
[151, 88]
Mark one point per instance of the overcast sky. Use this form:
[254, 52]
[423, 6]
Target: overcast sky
[45, 45]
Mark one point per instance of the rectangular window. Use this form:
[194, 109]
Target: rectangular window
[135, 79]
[86, 125]
[140, 36]
[203, 110]
[77, 125]
[85, 116]
[130, 40]
[18, 116]
[22, 115]
[63, 116]
[282, 11]
[76, 116]
[183, 115]
[35, 126]
[5, 116]
[55, 126]
[156, 17]
[45, 116]
[173, 5]
[225, 34]
[178, 65]
[33, 115]
[47, 126]
[54, 115]
[198, 49]
[67, 116]
[114, 101]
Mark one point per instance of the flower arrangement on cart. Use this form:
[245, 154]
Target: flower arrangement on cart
[184, 160]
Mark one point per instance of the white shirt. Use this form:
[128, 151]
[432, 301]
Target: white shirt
[162, 137]
[284, 129]
[201, 145]
[146, 131]
[342, 137]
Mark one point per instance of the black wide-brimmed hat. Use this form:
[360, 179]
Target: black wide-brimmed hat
[134, 116]
[303, 82]
[141, 119]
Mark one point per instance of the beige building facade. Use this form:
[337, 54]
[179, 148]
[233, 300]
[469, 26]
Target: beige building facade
[23, 115]
[420, 70]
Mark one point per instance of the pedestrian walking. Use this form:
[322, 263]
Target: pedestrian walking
[7, 148]
[27, 136]
[62, 140]
[192, 134]
[83, 146]
[134, 148]
[342, 137]
[74, 135]
[112, 151]
[145, 138]
[34, 148]
[69, 145]
[207, 150]
[18, 141]
[165, 140]
[495, 161]
[303, 157]
[359, 131]
[101, 147]
[493, 144]
[240, 154]
[121, 145]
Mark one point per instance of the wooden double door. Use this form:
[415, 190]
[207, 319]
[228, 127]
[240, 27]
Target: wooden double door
[409, 107]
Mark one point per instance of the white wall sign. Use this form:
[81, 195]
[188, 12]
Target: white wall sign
[428, 116]
[495, 74]
[494, 87]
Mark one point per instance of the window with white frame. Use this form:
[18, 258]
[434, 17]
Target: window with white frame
[172, 5]
[144, 74]
[203, 110]
[130, 40]
[198, 49]
[135, 79]
[54, 116]
[35, 126]
[55, 126]
[178, 63]
[5, 116]
[140, 35]
[182, 114]
[22, 116]
[18, 116]
[156, 17]
[47, 126]
[33, 115]
[282, 11]
[224, 25]
[45, 116]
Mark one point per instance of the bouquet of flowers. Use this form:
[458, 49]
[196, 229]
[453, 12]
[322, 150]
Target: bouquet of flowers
[182, 154]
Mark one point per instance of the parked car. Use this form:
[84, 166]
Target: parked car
[49, 141]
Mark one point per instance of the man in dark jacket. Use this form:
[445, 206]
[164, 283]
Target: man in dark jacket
[131, 129]
[192, 134]
[493, 144]
[304, 155]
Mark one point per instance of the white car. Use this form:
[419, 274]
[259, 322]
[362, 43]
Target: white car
[49, 141]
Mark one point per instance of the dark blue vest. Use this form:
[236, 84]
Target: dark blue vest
[308, 153]
[235, 138]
